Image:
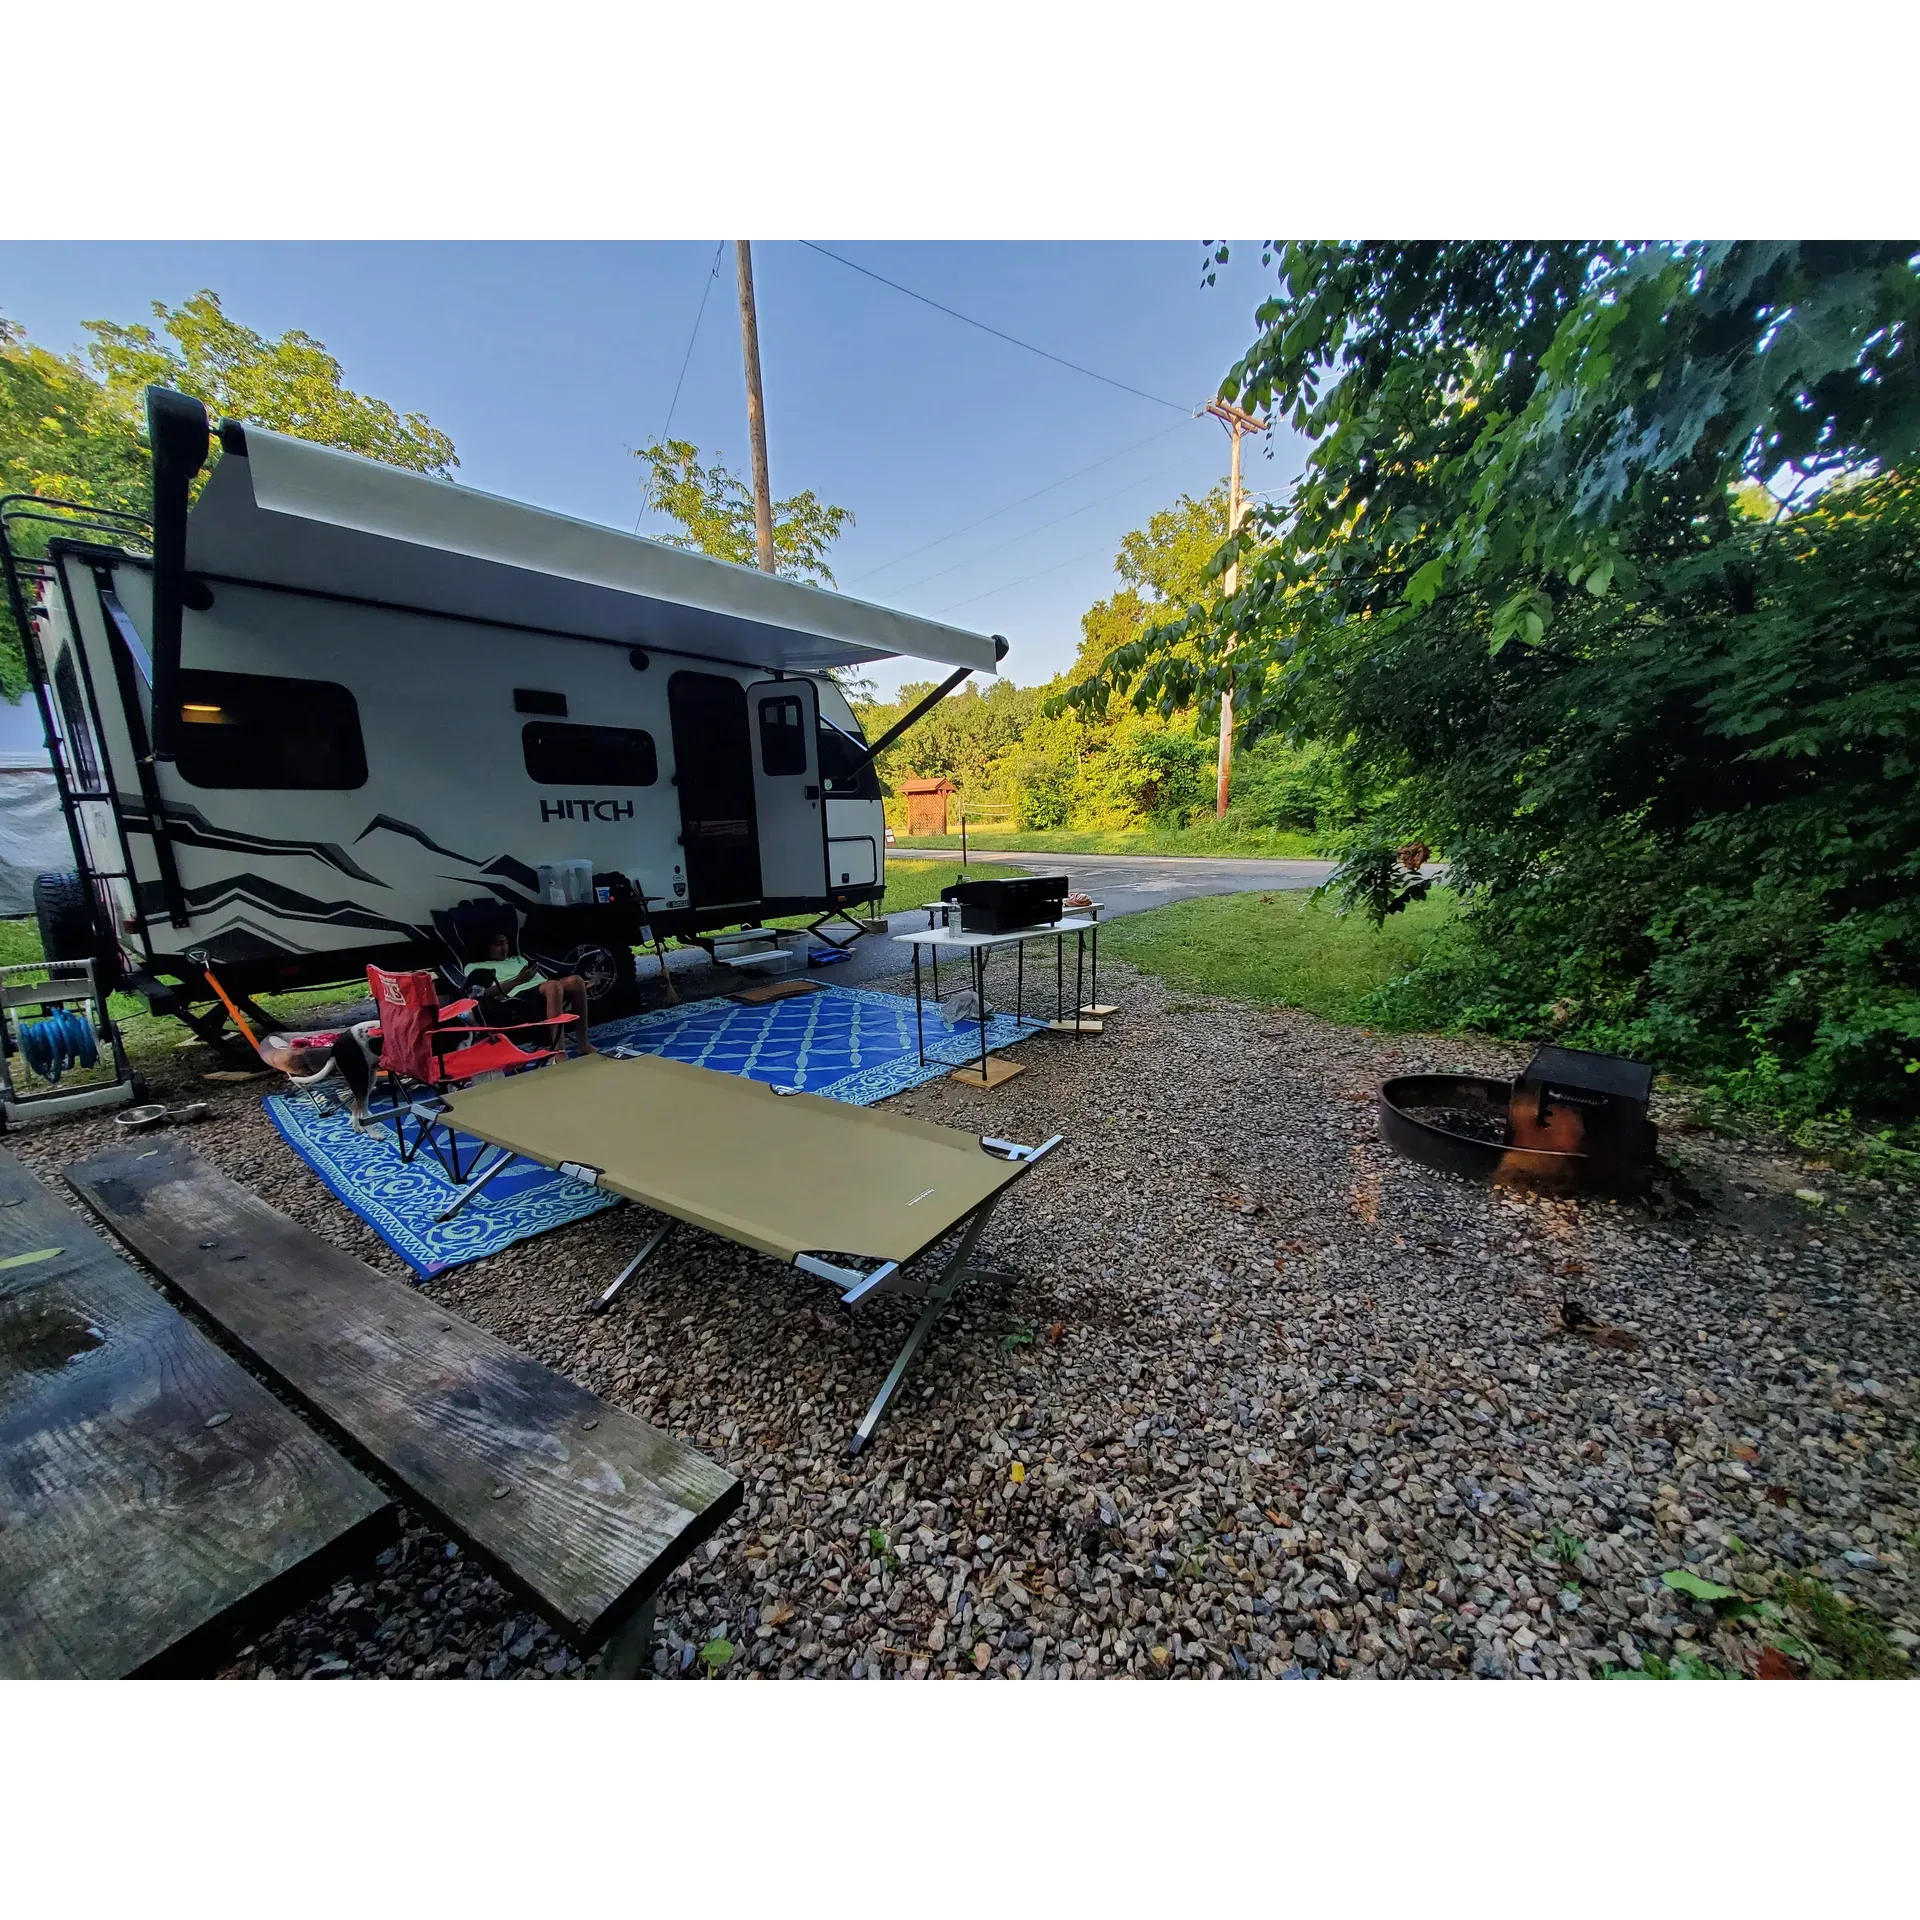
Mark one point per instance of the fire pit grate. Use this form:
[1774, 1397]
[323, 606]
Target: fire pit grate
[1572, 1122]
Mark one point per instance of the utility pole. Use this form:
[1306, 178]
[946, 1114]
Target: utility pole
[1236, 423]
[757, 406]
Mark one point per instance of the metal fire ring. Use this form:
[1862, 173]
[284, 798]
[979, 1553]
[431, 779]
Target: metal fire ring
[1489, 1161]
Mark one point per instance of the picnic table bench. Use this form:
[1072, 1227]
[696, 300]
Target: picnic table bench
[157, 1503]
[582, 1508]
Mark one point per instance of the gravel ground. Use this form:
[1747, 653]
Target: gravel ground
[1255, 1398]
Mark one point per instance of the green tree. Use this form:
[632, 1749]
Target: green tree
[967, 738]
[59, 435]
[59, 438]
[1682, 804]
[289, 385]
[714, 511]
[1536, 421]
[1163, 569]
[73, 428]
[1088, 768]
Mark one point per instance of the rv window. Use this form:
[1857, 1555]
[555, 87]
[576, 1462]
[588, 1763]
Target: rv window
[564, 756]
[843, 771]
[85, 767]
[259, 730]
[783, 743]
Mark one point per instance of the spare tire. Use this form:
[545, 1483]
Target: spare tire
[64, 909]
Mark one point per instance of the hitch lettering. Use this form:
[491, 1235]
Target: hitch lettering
[586, 809]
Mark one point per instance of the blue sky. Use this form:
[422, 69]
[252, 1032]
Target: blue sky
[548, 361]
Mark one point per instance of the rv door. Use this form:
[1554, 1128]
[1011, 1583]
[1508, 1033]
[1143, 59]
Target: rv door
[784, 716]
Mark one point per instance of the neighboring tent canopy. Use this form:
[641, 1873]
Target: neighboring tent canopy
[33, 829]
[282, 512]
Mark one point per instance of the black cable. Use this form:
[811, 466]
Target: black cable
[1051, 486]
[953, 605]
[713, 274]
[1027, 345]
[1014, 539]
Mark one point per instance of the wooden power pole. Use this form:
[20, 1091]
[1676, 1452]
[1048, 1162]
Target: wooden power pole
[1236, 423]
[757, 406]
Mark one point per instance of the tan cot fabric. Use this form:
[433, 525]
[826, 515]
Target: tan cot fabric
[784, 1173]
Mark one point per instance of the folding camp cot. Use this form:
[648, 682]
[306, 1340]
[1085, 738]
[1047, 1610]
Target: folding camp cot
[789, 1174]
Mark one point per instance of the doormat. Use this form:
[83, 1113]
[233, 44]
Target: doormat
[778, 990]
[848, 1043]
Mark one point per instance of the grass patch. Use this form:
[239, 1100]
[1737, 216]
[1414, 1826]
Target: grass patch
[149, 1041]
[1284, 949]
[1851, 1637]
[1209, 837]
[914, 883]
[910, 883]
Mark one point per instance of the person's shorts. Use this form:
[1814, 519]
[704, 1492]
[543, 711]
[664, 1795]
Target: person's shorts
[514, 1010]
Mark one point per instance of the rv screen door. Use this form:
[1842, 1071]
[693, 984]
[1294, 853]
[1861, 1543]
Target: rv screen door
[784, 716]
[714, 770]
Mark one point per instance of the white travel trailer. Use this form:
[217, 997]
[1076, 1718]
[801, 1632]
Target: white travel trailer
[331, 697]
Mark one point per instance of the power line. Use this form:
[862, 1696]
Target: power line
[713, 273]
[1015, 539]
[953, 605]
[1051, 486]
[954, 313]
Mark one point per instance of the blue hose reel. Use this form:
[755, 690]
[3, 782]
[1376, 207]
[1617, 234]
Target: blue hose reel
[57, 1042]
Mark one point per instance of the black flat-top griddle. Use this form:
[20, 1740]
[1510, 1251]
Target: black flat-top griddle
[1005, 906]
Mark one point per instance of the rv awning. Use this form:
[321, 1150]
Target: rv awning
[287, 513]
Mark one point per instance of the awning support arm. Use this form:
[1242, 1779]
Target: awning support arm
[178, 434]
[919, 712]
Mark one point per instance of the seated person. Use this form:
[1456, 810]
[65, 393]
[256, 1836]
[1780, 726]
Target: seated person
[501, 983]
[354, 1054]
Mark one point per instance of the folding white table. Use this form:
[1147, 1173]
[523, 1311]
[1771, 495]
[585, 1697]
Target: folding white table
[978, 946]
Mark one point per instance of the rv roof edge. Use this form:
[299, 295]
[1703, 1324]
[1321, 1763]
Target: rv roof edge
[295, 515]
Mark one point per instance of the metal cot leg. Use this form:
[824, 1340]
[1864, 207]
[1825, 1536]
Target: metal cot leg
[633, 1266]
[938, 1295]
[469, 1191]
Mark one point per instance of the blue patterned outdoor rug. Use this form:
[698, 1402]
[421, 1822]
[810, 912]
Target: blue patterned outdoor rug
[364, 1171]
[848, 1043]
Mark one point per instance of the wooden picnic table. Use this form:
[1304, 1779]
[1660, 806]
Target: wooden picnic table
[157, 1503]
[581, 1507]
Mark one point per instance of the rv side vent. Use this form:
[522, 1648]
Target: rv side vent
[532, 700]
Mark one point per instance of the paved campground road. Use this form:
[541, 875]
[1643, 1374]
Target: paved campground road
[1133, 882]
[1122, 882]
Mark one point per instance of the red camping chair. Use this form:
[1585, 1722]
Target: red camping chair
[426, 1047]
